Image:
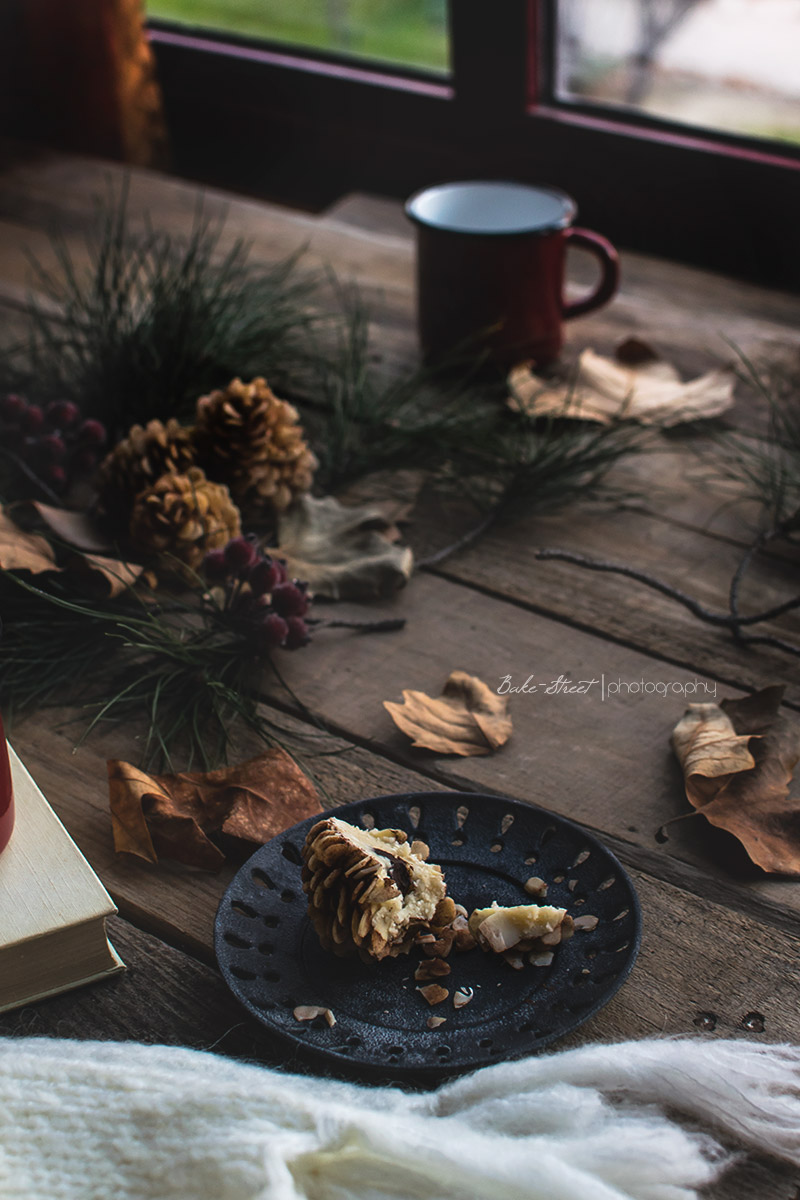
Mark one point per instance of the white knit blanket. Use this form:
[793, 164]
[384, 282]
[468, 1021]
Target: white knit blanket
[118, 1121]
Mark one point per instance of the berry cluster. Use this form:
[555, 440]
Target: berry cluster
[54, 443]
[259, 596]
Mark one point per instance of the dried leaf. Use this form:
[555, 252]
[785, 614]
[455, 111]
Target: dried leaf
[738, 758]
[174, 816]
[114, 575]
[467, 719]
[21, 551]
[637, 386]
[342, 553]
[75, 528]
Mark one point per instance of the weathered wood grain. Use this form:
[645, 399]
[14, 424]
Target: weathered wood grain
[505, 564]
[164, 997]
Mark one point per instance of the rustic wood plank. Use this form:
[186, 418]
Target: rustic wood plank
[165, 996]
[504, 563]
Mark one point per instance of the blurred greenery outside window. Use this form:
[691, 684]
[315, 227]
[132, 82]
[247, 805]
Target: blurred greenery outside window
[404, 32]
[728, 65]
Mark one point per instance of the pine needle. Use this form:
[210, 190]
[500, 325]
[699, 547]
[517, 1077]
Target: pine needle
[136, 324]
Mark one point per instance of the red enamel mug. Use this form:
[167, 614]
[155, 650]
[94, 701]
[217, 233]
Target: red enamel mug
[6, 793]
[490, 269]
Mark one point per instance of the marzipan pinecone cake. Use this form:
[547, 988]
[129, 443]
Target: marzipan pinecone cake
[369, 891]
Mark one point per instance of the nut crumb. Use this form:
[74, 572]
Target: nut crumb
[586, 922]
[535, 886]
[462, 996]
[431, 968]
[308, 1012]
[433, 993]
[435, 1022]
[541, 960]
[440, 947]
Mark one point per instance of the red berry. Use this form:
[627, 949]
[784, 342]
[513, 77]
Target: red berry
[12, 407]
[289, 600]
[62, 414]
[92, 432]
[215, 565]
[265, 576]
[240, 554]
[53, 446]
[298, 633]
[33, 419]
[274, 631]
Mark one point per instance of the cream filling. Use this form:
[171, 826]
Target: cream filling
[390, 918]
[502, 928]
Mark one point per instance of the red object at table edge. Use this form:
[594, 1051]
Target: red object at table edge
[6, 793]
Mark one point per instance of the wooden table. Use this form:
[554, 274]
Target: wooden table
[721, 942]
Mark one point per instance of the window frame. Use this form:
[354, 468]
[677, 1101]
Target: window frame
[334, 125]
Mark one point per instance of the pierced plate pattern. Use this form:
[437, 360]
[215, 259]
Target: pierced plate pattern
[488, 847]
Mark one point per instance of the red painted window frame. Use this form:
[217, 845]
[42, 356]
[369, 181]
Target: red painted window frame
[292, 124]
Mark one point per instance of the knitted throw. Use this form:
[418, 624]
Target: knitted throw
[118, 1121]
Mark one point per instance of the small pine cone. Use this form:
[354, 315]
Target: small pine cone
[136, 463]
[368, 893]
[252, 441]
[184, 516]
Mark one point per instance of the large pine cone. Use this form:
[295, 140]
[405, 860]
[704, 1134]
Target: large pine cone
[369, 892]
[184, 516]
[248, 438]
[136, 463]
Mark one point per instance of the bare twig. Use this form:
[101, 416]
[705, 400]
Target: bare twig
[731, 620]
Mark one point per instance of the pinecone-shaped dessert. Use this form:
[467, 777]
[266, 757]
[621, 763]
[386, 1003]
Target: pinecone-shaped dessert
[369, 891]
[252, 441]
[136, 463]
[184, 516]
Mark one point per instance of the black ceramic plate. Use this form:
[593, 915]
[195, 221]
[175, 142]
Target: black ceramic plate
[271, 958]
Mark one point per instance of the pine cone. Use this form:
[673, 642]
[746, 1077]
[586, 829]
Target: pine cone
[369, 892]
[136, 463]
[252, 441]
[184, 516]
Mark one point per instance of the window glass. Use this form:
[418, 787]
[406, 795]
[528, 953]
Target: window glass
[406, 32]
[731, 65]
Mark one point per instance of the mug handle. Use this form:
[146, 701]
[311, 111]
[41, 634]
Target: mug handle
[602, 249]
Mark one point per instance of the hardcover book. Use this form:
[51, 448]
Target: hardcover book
[53, 908]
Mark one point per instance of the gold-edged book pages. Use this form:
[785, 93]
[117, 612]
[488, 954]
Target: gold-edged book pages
[53, 908]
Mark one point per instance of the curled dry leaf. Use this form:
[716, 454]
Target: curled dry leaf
[342, 553]
[467, 719]
[637, 385]
[737, 759]
[175, 816]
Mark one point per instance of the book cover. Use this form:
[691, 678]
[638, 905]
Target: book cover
[53, 908]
